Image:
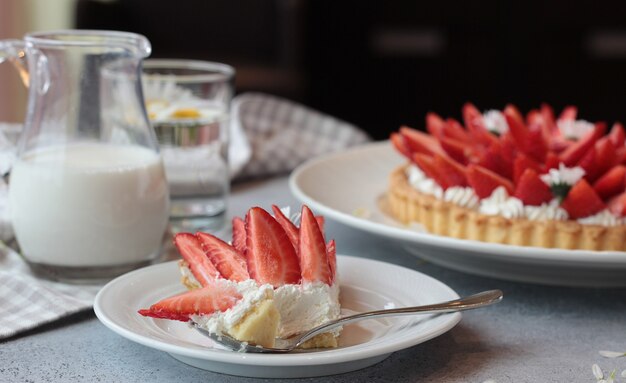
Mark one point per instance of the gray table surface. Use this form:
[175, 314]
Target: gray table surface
[537, 334]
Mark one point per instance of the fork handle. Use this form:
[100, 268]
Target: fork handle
[475, 301]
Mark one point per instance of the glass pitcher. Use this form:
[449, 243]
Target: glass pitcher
[88, 194]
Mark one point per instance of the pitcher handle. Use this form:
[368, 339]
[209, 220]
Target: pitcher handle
[15, 52]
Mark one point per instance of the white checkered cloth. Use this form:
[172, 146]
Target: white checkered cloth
[27, 302]
[269, 136]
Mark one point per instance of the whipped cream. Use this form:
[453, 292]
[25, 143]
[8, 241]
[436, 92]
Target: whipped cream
[500, 203]
[574, 129]
[423, 183]
[495, 122]
[462, 196]
[563, 175]
[546, 211]
[604, 218]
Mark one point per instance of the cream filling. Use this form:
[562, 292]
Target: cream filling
[301, 307]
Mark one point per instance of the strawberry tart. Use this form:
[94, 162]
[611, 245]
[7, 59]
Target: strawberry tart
[275, 280]
[501, 177]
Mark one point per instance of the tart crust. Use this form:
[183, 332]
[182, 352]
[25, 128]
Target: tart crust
[448, 219]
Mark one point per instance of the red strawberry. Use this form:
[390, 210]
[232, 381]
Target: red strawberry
[617, 135]
[484, 181]
[313, 258]
[606, 155]
[453, 129]
[536, 145]
[228, 261]
[201, 267]
[420, 142]
[456, 149]
[495, 159]
[588, 163]
[582, 201]
[476, 126]
[569, 113]
[204, 301]
[426, 164]
[548, 117]
[617, 205]
[269, 252]
[321, 222]
[399, 142]
[517, 127]
[611, 183]
[434, 124]
[522, 162]
[531, 189]
[572, 154]
[450, 170]
[331, 252]
[552, 161]
[288, 226]
[239, 235]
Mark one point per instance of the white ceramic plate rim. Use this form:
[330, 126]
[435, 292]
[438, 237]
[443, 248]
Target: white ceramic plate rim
[332, 356]
[530, 253]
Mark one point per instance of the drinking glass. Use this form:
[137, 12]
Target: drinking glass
[188, 104]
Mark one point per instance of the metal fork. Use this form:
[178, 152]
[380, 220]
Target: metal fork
[470, 302]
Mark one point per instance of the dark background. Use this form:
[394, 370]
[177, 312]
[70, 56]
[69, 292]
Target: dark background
[380, 64]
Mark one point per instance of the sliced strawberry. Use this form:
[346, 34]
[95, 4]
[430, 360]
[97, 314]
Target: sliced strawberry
[606, 154]
[484, 181]
[588, 163]
[426, 164]
[522, 163]
[492, 158]
[313, 258]
[331, 252]
[288, 226]
[582, 201]
[531, 189]
[399, 142]
[577, 150]
[204, 301]
[450, 170]
[321, 222]
[453, 129]
[617, 135]
[270, 255]
[434, 124]
[552, 161]
[239, 235]
[617, 205]
[548, 117]
[201, 267]
[457, 150]
[420, 142]
[569, 113]
[536, 145]
[611, 183]
[228, 261]
[517, 127]
[476, 126]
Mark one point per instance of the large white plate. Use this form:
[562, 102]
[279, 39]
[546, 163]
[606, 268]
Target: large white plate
[376, 285]
[341, 185]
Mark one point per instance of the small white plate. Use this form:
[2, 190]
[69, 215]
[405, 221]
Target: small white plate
[350, 188]
[375, 286]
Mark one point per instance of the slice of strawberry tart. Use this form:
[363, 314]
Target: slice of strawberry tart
[273, 281]
[531, 181]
